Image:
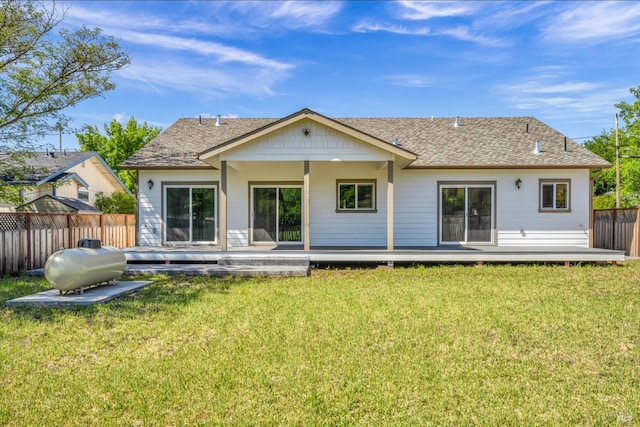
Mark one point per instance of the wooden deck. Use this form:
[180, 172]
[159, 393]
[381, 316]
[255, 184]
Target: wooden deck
[316, 256]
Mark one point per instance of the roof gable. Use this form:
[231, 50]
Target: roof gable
[299, 124]
[56, 204]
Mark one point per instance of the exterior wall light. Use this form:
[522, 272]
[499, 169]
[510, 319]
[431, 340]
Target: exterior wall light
[518, 183]
[150, 184]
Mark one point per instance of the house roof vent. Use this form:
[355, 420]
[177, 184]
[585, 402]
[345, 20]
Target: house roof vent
[457, 122]
[395, 142]
[536, 149]
[218, 120]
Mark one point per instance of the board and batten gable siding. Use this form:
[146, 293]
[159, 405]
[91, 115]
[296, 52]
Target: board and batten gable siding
[321, 144]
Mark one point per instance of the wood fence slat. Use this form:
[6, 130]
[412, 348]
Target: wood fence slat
[27, 240]
[617, 229]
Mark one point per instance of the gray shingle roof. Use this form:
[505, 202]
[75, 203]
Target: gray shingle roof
[46, 164]
[487, 142]
[72, 204]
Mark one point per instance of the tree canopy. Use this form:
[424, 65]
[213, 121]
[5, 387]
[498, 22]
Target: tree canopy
[43, 72]
[119, 202]
[118, 143]
[604, 145]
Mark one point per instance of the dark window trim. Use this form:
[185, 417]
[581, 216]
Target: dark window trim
[373, 182]
[553, 181]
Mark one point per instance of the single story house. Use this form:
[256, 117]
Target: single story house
[313, 181]
[63, 182]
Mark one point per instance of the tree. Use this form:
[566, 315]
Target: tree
[118, 202]
[117, 144]
[604, 145]
[42, 73]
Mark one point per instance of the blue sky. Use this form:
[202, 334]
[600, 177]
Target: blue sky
[564, 62]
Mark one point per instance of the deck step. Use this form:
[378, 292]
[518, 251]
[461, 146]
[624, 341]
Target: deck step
[231, 266]
[217, 270]
[290, 261]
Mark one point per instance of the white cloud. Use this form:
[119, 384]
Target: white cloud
[287, 14]
[206, 79]
[594, 22]
[222, 52]
[365, 27]
[409, 80]
[465, 33]
[546, 94]
[459, 32]
[547, 88]
[425, 10]
[444, 27]
[113, 20]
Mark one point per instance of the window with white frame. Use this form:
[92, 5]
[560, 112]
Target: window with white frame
[555, 195]
[356, 196]
[83, 195]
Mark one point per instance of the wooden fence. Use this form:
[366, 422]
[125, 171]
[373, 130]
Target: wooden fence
[617, 229]
[27, 239]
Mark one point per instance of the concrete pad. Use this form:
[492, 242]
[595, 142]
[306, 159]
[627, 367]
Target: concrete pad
[97, 295]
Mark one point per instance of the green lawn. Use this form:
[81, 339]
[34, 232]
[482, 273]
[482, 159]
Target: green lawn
[449, 345]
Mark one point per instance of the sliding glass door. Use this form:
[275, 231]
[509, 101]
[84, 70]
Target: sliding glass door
[190, 214]
[276, 214]
[466, 214]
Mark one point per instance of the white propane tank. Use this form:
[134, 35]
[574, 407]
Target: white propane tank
[70, 269]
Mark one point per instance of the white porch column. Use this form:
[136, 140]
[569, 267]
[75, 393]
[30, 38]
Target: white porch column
[223, 206]
[306, 207]
[390, 207]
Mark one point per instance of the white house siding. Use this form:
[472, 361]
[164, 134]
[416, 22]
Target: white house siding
[520, 223]
[416, 208]
[330, 228]
[150, 219]
[240, 177]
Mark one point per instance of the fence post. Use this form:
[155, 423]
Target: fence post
[613, 229]
[126, 230]
[637, 233]
[102, 228]
[29, 258]
[69, 231]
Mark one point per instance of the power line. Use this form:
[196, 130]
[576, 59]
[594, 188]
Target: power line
[584, 137]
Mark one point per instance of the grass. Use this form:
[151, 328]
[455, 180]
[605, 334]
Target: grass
[452, 345]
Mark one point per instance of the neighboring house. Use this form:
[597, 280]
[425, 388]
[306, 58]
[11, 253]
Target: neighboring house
[57, 204]
[313, 181]
[63, 182]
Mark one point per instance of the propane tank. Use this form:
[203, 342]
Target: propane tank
[71, 269]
